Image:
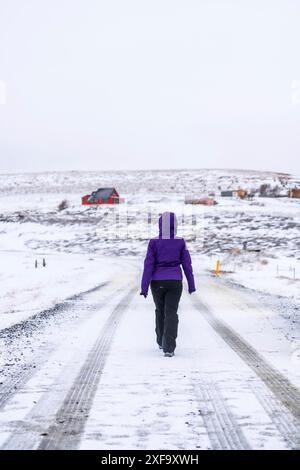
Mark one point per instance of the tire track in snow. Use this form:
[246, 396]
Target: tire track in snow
[27, 328]
[66, 431]
[283, 420]
[286, 416]
[222, 428]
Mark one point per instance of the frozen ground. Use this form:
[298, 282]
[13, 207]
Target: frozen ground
[30, 222]
[26, 291]
[95, 378]
[79, 367]
[29, 217]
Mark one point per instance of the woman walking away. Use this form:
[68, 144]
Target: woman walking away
[162, 267]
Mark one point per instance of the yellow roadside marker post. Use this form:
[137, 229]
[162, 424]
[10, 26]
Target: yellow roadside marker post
[218, 267]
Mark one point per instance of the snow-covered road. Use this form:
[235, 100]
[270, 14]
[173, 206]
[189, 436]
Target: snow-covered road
[100, 382]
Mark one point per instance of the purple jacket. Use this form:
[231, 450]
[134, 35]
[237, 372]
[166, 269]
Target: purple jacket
[165, 254]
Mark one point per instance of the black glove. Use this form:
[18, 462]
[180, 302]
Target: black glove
[144, 294]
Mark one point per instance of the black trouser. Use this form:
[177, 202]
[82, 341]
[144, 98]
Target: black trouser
[166, 296]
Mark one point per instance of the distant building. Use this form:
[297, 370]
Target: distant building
[102, 196]
[294, 193]
[205, 201]
[242, 193]
[229, 193]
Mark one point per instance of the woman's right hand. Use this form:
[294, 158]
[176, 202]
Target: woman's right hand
[144, 294]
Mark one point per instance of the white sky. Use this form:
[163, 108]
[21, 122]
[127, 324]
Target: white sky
[130, 84]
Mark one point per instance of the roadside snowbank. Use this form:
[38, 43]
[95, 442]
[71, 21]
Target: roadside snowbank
[26, 290]
[279, 276]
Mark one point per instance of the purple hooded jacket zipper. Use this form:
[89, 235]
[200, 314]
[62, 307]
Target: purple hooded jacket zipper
[165, 256]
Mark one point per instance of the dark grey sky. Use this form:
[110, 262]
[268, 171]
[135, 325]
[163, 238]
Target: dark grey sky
[97, 84]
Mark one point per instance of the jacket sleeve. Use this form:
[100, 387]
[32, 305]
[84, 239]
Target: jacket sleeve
[187, 268]
[148, 268]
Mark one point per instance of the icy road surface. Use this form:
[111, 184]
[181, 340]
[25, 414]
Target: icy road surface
[96, 379]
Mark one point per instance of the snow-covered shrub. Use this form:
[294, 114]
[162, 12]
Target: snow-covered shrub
[63, 205]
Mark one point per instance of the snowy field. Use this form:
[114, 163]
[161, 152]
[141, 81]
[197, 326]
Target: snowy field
[77, 329]
[30, 222]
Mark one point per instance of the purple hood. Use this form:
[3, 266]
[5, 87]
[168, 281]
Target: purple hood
[166, 254]
[167, 224]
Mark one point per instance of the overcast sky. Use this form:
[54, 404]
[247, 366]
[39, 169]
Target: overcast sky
[133, 84]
